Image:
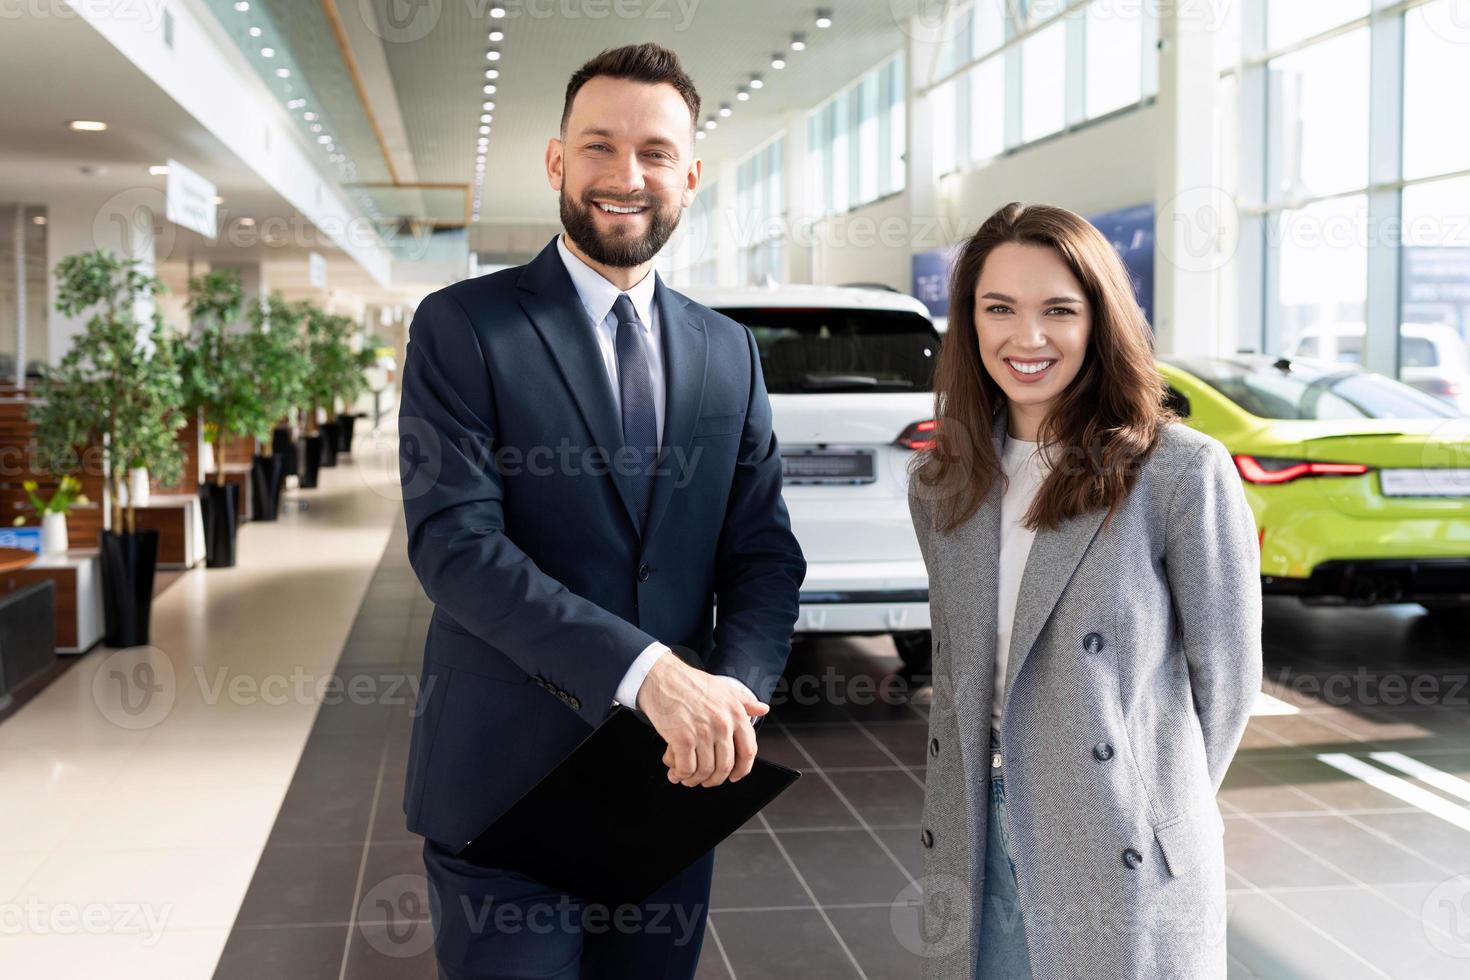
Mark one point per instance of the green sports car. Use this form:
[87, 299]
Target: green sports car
[1360, 485]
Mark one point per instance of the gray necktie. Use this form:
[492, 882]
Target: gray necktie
[635, 390]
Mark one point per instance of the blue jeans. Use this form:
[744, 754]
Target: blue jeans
[1002, 954]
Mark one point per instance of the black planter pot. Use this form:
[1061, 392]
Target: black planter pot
[284, 447]
[221, 510]
[267, 475]
[329, 433]
[311, 451]
[345, 424]
[128, 564]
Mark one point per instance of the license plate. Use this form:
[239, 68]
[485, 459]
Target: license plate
[828, 466]
[1426, 483]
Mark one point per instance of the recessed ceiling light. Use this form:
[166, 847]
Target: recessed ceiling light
[492, 73]
[87, 125]
[488, 90]
[699, 134]
[158, 170]
[756, 81]
[725, 109]
[487, 105]
[492, 55]
[742, 94]
[497, 11]
[242, 6]
[484, 130]
[247, 222]
[295, 103]
[710, 123]
[283, 73]
[255, 32]
[39, 219]
[798, 42]
[824, 18]
[486, 117]
[316, 127]
[778, 61]
[309, 116]
[267, 52]
[496, 35]
[324, 139]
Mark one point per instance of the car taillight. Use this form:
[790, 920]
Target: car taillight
[1267, 469]
[1442, 387]
[919, 435]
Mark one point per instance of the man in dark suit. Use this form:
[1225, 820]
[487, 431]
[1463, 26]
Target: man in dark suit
[588, 464]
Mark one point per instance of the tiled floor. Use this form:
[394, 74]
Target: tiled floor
[265, 834]
[1329, 876]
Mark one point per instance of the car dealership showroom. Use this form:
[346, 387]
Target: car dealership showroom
[730, 489]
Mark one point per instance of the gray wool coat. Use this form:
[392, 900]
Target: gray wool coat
[1135, 659]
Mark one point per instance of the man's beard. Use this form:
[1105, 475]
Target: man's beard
[623, 251]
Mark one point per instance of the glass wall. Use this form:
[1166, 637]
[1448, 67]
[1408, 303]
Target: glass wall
[760, 213]
[1362, 201]
[1015, 71]
[856, 140]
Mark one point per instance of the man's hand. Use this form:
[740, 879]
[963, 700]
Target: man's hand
[705, 721]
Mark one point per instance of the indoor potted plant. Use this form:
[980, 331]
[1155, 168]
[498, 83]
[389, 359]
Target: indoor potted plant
[117, 389]
[53, 511]
[320, 344]
[218, 384]
[274, 358]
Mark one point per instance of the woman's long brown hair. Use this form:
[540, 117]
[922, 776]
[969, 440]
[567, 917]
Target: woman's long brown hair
[1107, 420]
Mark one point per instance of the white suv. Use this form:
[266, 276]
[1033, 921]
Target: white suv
[848, 371]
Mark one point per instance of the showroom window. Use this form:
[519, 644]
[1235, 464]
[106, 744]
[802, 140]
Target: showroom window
[692, 254]
[1011, 72]
[856, 140]
[760, 210]
[1358, 208]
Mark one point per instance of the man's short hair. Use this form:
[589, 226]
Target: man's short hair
[650, 63]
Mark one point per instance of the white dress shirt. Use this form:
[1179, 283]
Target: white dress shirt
[1025, 469]
[598, 296]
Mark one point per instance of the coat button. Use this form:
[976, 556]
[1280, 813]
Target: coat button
[1103, 751]
[1092, 642]
[1132, 858]
[926, 838]
[576, 705]
[934, 746]
[643, 573]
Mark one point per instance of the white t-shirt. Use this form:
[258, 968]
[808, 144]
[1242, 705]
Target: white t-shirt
[1025, 469]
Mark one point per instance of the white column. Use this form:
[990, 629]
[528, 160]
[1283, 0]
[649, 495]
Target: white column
[1195, 218]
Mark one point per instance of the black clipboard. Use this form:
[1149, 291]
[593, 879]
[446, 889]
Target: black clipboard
[606, 824]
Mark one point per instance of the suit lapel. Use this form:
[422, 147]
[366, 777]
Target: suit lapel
[685, 350]
[1054, 556]
[550, 301]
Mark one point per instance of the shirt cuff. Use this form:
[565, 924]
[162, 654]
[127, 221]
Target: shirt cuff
[627, 691]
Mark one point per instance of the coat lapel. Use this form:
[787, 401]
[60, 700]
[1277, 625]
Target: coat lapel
[550, 301]
[686, 350]
[1054, 556]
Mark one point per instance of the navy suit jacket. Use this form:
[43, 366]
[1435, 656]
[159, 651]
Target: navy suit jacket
[545, 589]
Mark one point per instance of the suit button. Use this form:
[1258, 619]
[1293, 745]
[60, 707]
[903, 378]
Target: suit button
[1103, 751]
[1092, 642]
[576, 704]
[643, 573]
[934, 746]
[1132, 858]
[926, 838]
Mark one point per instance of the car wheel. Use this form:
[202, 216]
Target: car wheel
[916, 655]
